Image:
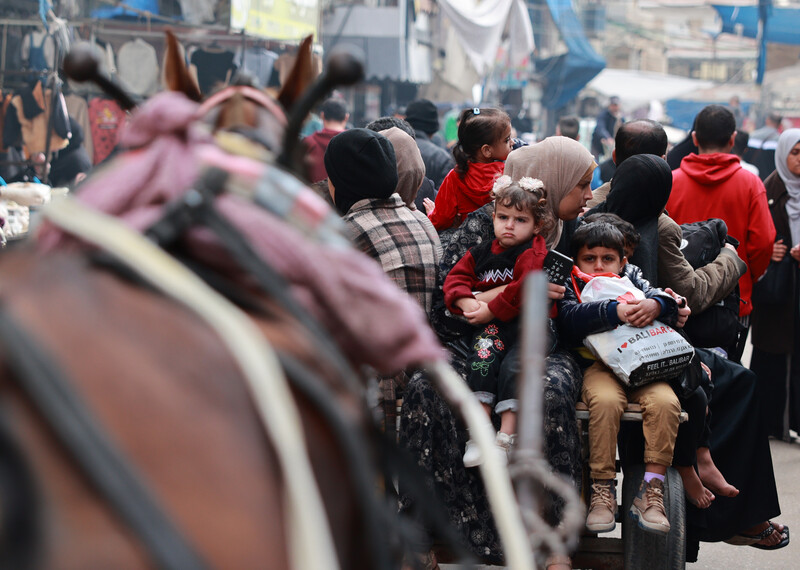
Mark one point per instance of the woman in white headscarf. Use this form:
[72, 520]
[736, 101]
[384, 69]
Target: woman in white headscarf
[428, 428]
[775, 321]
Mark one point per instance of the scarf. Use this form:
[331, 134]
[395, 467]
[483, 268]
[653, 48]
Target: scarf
[410, 168]
[560, 163]
[786, 142]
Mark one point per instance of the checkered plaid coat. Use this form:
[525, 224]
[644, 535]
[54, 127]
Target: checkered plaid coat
[388, 231]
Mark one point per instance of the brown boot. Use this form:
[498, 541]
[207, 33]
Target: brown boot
[648, 507]
[602, 507]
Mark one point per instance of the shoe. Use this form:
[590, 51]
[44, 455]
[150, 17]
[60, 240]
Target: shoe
[753, 539]
[472, 455]
[602, 507]
[504, 443]
[648, 507]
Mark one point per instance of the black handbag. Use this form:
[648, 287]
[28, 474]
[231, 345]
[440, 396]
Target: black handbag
[777, 284]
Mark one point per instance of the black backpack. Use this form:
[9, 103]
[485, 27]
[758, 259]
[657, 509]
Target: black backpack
[719, 324]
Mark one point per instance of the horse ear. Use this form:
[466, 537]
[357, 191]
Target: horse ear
[176, 74]
[300, 77]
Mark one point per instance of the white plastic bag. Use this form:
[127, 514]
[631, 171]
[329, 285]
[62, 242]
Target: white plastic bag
[637, 356]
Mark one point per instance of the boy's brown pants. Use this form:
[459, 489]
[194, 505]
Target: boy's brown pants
[607, 398]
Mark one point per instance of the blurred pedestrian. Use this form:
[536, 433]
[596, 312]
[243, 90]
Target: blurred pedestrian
[762, 144]
[334, 116]
[569, 126]
[606, 128]
[424, 117]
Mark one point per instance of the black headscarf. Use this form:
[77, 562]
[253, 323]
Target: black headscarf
[360, 164]
[639, 192]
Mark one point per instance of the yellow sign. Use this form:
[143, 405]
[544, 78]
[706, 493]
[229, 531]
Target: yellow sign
[290, 20]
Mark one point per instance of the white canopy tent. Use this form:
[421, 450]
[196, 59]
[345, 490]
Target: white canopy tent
[638, 89]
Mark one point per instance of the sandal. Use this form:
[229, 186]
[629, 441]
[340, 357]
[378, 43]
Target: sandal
[784, 541]
[754, 539]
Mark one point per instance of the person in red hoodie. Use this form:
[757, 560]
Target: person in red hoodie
[713, 184]
[334, 116]
[484, 141]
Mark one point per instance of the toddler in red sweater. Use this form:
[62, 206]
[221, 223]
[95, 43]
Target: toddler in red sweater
[485, 286]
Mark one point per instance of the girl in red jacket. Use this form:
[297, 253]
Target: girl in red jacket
[484, 141]
[486, 287]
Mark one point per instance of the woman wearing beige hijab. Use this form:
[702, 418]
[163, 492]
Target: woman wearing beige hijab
[565, 167]
[428, 428]
[410, 173]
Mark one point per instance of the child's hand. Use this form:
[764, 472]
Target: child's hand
[487, 296]
[468, 305]
[479, 316]
[622, 311]
[555, 292]
[642, 313]
[429, 206]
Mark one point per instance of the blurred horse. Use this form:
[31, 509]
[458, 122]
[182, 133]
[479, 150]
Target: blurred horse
[128, 436]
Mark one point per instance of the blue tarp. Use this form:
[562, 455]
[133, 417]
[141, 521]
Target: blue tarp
[568, 73]
[120, 13]
[682, 112]
[782, 23]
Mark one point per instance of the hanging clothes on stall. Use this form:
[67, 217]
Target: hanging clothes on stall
[29, 123]
[78, 109]
[106, 119]
[38, 50]
[137, 67]
[214, 65]
[284, 64]
[258, 61]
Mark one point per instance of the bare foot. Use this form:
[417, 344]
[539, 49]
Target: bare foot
[697, 494]
[711, 476]
[558, 562]
[772, 539]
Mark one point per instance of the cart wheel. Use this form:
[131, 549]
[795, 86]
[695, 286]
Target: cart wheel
[645, 549]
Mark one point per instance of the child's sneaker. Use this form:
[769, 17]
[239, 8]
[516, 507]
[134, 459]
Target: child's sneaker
[648, 507]
[472, 455]
[602, 507]
[504, 444]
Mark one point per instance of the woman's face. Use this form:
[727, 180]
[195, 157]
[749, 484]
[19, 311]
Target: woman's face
[793, 160]
[574, 202]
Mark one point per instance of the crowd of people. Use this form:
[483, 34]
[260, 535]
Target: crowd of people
[493, 208]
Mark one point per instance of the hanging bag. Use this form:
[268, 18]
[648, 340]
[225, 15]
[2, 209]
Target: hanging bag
[637, 356]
